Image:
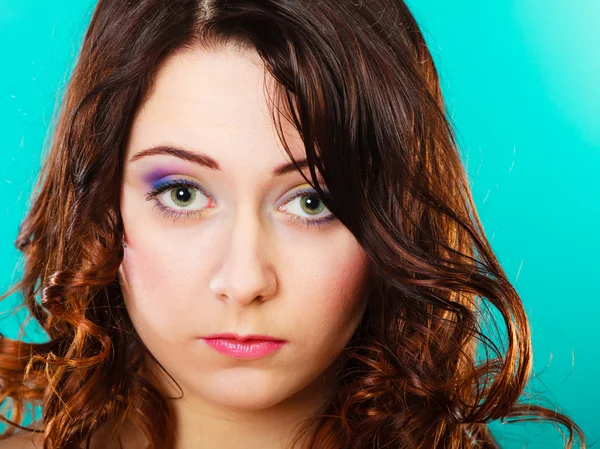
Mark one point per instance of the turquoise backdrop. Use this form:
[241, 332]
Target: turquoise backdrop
[521, 82]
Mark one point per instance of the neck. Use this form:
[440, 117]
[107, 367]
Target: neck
[203, 424]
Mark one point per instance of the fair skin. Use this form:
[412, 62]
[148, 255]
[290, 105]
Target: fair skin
[241, 266]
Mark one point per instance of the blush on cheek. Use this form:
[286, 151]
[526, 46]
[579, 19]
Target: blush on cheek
[346, 290]
[351, 275]
[139, 272]
[158, 288]
[138, 282]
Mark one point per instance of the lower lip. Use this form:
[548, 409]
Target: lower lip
[249, 349]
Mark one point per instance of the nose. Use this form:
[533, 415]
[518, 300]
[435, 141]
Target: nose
[244, 273]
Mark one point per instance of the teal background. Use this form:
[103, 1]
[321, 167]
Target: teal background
[521, 83]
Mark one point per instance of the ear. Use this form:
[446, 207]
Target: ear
[120, 272]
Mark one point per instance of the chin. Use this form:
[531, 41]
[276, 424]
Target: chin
[247, 400]
[253, 391]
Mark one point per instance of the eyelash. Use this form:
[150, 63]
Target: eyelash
[176, 215]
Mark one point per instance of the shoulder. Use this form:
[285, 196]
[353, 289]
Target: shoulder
[24, 441]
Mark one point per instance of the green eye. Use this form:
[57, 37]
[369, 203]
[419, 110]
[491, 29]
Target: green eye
[183, 196]
[311, 204]
[307, 207]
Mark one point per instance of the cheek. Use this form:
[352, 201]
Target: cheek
[158, 266]
[147, 305]
[333, 290]
[158, 275]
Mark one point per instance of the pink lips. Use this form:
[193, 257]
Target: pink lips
[247, 347]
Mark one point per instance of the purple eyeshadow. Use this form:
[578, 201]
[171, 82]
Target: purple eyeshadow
[156, 175]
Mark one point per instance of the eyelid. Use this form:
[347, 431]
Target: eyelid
[300, 193]
[297, 193]
[165, 185]
[305, 188]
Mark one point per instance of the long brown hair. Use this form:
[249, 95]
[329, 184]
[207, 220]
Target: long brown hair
[360, 86]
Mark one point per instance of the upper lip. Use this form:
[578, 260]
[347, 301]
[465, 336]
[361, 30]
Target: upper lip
[234, 336]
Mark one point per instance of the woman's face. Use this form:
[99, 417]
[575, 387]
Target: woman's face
[217, 241]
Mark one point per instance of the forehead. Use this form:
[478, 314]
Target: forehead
[217, 101]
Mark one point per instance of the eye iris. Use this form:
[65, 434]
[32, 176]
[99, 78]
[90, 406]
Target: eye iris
[182, 195]
[313, 203]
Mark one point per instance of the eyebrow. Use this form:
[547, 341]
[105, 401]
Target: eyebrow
[205, 160]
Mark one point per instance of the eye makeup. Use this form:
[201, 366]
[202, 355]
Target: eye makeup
[167, 184]
[152, 177]
[162, 179]
[307, 192]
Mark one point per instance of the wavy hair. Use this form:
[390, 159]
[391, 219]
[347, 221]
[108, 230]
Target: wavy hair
[361, 88]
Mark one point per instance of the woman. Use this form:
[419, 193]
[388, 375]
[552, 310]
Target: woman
[253, 229]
